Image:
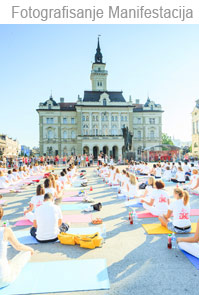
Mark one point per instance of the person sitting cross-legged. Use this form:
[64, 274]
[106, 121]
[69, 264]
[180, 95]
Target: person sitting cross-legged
[47, 222]
[181, 213]
[10, 270]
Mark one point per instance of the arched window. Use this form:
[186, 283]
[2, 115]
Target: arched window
[104, 102]
[73, 151]
[195, 145]
[122, 118]
[83, 118]
[114, 130]
[112, 118]
[49, 106]
[93, 118]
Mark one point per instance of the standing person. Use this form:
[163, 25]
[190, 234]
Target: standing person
[47, 222]
[87, 160]
[10, 270]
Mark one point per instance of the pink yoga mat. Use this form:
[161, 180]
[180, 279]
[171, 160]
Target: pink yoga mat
[78, 218]
[23, 222]
[72, 199]
[2, 202]
[147, 214]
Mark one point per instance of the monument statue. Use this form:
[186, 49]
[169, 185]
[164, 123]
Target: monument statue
[128, 136]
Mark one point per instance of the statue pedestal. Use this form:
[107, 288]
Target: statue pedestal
[129, 155]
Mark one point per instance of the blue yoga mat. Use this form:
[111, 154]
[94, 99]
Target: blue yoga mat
[194, 260]
[60, 276]
[137, 205]
[25, 238]
[74, 207]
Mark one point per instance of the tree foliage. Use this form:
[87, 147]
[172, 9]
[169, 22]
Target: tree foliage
[166, 139]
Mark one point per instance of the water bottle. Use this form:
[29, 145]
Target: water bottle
[173, 239]
[103, 234]
[169, 244]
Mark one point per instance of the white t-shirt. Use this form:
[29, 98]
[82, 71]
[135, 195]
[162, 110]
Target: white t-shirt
[194, 179]
[47, 217]
[133, 190]
[181, 213]
[161, 198]
[37, 201]
[158, 172]
[180, 176]
[150, 191]
[186, 168]
[167, 175]
[50, 190]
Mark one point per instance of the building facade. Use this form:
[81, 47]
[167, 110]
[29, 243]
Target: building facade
[94, 123]
[9, 147]
[195, 130]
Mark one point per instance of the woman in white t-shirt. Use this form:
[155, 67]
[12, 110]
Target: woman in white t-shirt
[181, 213]
[190, 244]
[180, 176]
[4, 183]
[193, 185]
[117, 177]
[159, 202]
[35, 202]
[149, 189]
[132, 187]
[49, 188]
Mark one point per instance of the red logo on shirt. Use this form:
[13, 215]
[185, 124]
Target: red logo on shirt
[184, 214]
[162, 199]
[39, 203]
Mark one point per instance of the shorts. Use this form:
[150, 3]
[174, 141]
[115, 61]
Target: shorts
[171, 227]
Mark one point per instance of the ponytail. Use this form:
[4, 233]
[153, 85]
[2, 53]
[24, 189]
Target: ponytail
[185, 197]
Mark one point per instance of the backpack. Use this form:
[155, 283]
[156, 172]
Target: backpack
[142, 186]
[97, 206]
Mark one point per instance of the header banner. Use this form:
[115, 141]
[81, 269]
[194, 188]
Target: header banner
[98, 12]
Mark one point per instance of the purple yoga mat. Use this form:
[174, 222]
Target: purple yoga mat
[192, 259]
[72, 199]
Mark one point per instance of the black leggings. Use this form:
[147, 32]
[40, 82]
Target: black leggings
[176, 181]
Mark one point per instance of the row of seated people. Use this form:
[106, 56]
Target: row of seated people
[47, 221]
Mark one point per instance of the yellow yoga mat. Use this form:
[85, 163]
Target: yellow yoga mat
[158, 229]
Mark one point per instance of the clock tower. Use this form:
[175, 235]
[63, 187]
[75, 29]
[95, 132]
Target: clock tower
[98, 73]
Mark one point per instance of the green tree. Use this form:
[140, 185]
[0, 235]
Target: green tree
[166, 139]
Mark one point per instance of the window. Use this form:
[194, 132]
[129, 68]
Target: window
[65, 135]
[72, 120]
[151, 121]
[112, 118]
[83, 118]
[197, 126]
[49, 106]
[50, 134]
[125, 118]
[87, 118]
[122, 118]
[64, 121]
[99, 69]
[104, 130]
[114, 130]
[73, 151]
[104, 102]
[51, 120]
[195, 145]
[139, 134]
[152, 134]
[73, 135]
[93, 118]
[102, 118]
[97, 119]
[115, 118]
[100, 83]
[194, 128]
[138, 120]
[151, 107]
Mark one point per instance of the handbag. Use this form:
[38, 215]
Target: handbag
[66, 239]
[97, 206]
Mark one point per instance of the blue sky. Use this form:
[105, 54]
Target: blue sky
[159, 60]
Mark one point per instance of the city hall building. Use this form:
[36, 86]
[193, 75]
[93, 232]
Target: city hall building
[94, 123]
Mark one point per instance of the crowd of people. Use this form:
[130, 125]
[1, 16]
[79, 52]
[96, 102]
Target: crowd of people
[139, 181]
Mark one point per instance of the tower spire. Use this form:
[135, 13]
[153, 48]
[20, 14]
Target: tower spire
[98, 55]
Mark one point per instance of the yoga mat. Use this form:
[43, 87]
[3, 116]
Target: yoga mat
[23, 222]
[70, 193]
[25, 238]
[133, 205]
[2, 202]
[147, 214]
[74, 207]
[72, 199]
[78, 218]
[158, 229]
[60, 276]
[194, 260]
[121, 197]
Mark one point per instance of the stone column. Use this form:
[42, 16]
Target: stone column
[100, 123]
[119, 126]
[109, 123]
[41, 147]
[90, 123]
